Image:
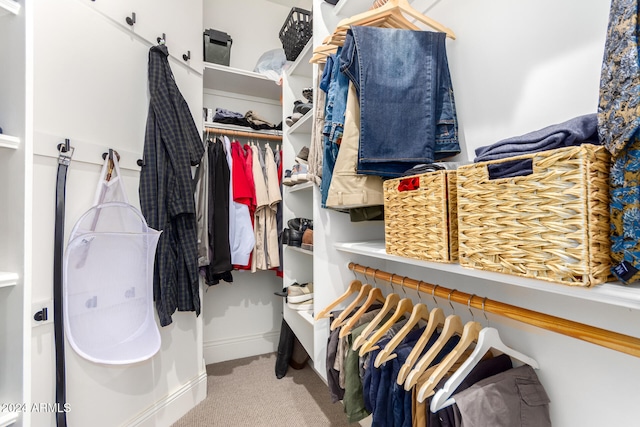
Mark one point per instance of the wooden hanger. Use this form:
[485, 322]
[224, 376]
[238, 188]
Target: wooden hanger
[404, 306]
[436, 319]
[389, 15]
[470, 335]
[452, 326]
[420, 312]
[489, 338]
[391, 301]
[375, 294]
[354, 287]
[362, 294]
[394, 10]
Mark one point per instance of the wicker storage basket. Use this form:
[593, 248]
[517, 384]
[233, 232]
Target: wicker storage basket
[552, 224]
[420, 218]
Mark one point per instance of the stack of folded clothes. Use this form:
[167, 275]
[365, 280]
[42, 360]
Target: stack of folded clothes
[573, 132]
[249, 119]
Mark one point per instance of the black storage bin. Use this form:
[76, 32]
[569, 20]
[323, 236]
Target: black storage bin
[296, 32]
[217, 47]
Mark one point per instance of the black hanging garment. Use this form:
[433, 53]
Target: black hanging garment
[220, 266]
[172, 145]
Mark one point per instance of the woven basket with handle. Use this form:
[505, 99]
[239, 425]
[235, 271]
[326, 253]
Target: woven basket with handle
[420, 216]
[552, 224]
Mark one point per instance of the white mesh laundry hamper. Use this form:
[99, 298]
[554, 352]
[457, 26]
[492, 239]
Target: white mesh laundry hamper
[108, 281]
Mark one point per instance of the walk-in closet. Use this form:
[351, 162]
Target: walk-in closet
[334, 212]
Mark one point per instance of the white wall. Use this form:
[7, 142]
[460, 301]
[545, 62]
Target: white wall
[90, 86]
[517, 67]
[243, 319]
[252, 24]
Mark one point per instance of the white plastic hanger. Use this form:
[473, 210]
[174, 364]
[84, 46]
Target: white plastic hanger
[489, 338]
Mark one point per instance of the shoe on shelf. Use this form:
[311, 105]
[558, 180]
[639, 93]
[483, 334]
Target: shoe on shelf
[297, 293]
[301, 306]
[286, 236]
[302, 108]
[303, 156]
[299, 173]
[289, 121]
[307, 239]
[295, 238]
[288, 178]
[300, 224]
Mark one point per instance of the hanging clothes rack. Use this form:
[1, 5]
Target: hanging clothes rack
[609, 339]
[243, 134]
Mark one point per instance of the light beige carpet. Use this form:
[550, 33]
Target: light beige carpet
[246, 392]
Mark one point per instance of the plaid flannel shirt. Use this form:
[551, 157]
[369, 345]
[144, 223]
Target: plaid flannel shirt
[172, 145]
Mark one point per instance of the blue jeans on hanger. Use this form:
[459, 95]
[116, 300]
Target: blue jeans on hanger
[407, 107]
[331, 82]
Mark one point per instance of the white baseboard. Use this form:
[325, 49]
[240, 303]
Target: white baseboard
[170, 409]
[239, 347]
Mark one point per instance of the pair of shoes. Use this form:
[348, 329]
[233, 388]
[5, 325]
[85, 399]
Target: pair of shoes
[307, 239]
[300, 224]
[299, 173]
[292, 236]
[297, 293]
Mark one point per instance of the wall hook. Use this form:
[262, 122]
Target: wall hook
[140, 162]
[186, 56]
[163, 39]
[110, 154]
[131, 19]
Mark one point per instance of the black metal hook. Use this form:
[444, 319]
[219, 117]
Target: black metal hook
[140, 162]
[186, 56]
[131, 19]
[63, 147]
[163, 39]
[110, 154]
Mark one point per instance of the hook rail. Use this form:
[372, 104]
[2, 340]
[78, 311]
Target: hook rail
[609, 339]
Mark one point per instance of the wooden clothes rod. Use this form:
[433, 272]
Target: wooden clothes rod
[613, 340]
[242, 134]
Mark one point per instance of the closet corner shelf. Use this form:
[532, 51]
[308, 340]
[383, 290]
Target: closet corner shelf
[303, 125]
[300, 187]
[224, 126]
[8, 279]
[301, 66]
[297, 249]
[244, 82]
[9, 6]
[613, 293]
[9, 418]
[7, 141]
